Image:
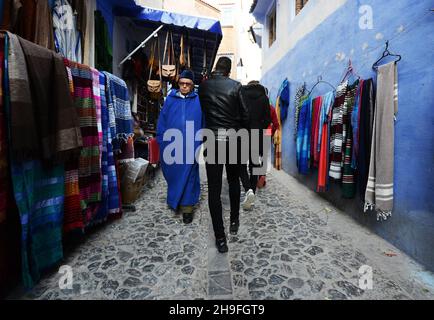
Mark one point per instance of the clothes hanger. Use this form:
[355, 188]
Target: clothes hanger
[350, 71]
[386, 53]
[320, 80]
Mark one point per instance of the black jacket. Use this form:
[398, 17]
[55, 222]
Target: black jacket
[255, 98]
[220, 99]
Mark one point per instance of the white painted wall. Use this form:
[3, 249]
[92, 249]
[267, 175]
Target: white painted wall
[292, 28]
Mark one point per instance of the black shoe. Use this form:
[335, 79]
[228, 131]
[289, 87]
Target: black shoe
[187, 218]
[222, 247]
[235, 226]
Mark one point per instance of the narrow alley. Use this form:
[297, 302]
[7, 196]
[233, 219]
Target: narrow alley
[293, 245]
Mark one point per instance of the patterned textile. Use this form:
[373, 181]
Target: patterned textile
[303, 137]
[89, 168]
[73, 217]
[278, 139]
[348, 173]
[66, 36]
[97, 99]
[39, 195]
[324, 140]
[336, 132]
[380, 189]
[355, 124]
[118, 92]
[300, 96]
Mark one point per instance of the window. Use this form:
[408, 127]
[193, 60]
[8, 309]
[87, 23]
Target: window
[228, 18]
[271, 27]
[299, 5]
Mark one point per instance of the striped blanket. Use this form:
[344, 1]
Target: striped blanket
[89, 167]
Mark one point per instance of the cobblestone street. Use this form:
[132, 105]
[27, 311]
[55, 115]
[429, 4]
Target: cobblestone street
[294, 245]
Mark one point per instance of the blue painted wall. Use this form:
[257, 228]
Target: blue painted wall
[412, 226]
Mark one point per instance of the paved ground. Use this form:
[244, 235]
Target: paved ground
[294, 245]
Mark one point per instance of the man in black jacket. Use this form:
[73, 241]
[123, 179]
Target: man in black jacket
[223, 109]
[254, 96]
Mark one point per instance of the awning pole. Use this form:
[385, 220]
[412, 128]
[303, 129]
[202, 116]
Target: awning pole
[141, 45]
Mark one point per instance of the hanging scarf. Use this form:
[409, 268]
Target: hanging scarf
[303, 137]
[337, 133]
[314, 141]
[380, 189]
[278, 140]
[365, 135]
[348, 173]
[299, 98]
[355, 124]
[284, 95]
[324, 140]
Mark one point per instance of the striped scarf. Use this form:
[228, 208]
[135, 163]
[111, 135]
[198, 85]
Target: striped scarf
[348, 173]
[336, 132]
[299, 98]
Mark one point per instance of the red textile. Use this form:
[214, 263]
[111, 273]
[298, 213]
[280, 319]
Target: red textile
[323, 160]
[154, 151]
[317, 103]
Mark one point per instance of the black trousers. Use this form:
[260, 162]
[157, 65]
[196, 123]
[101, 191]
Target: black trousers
[248, 179]
[214, 170]
[215, 176]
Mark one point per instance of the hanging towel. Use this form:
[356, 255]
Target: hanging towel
[365, 136]
[380, 189]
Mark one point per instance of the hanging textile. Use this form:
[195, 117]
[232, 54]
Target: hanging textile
[4, 168]
[300, 96]
[348, 173]
[39, 195]
[118, 92]
[89, 168]
[303, 137]
[379, 192]
[284, 95]
[324, 141]
[86, 25]
[365, 135]
[29, 19]
[355, 124]
[278, 139]
[337, 133]
[67, 37]
[55, 115]
[103, 46]
[314, 138]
